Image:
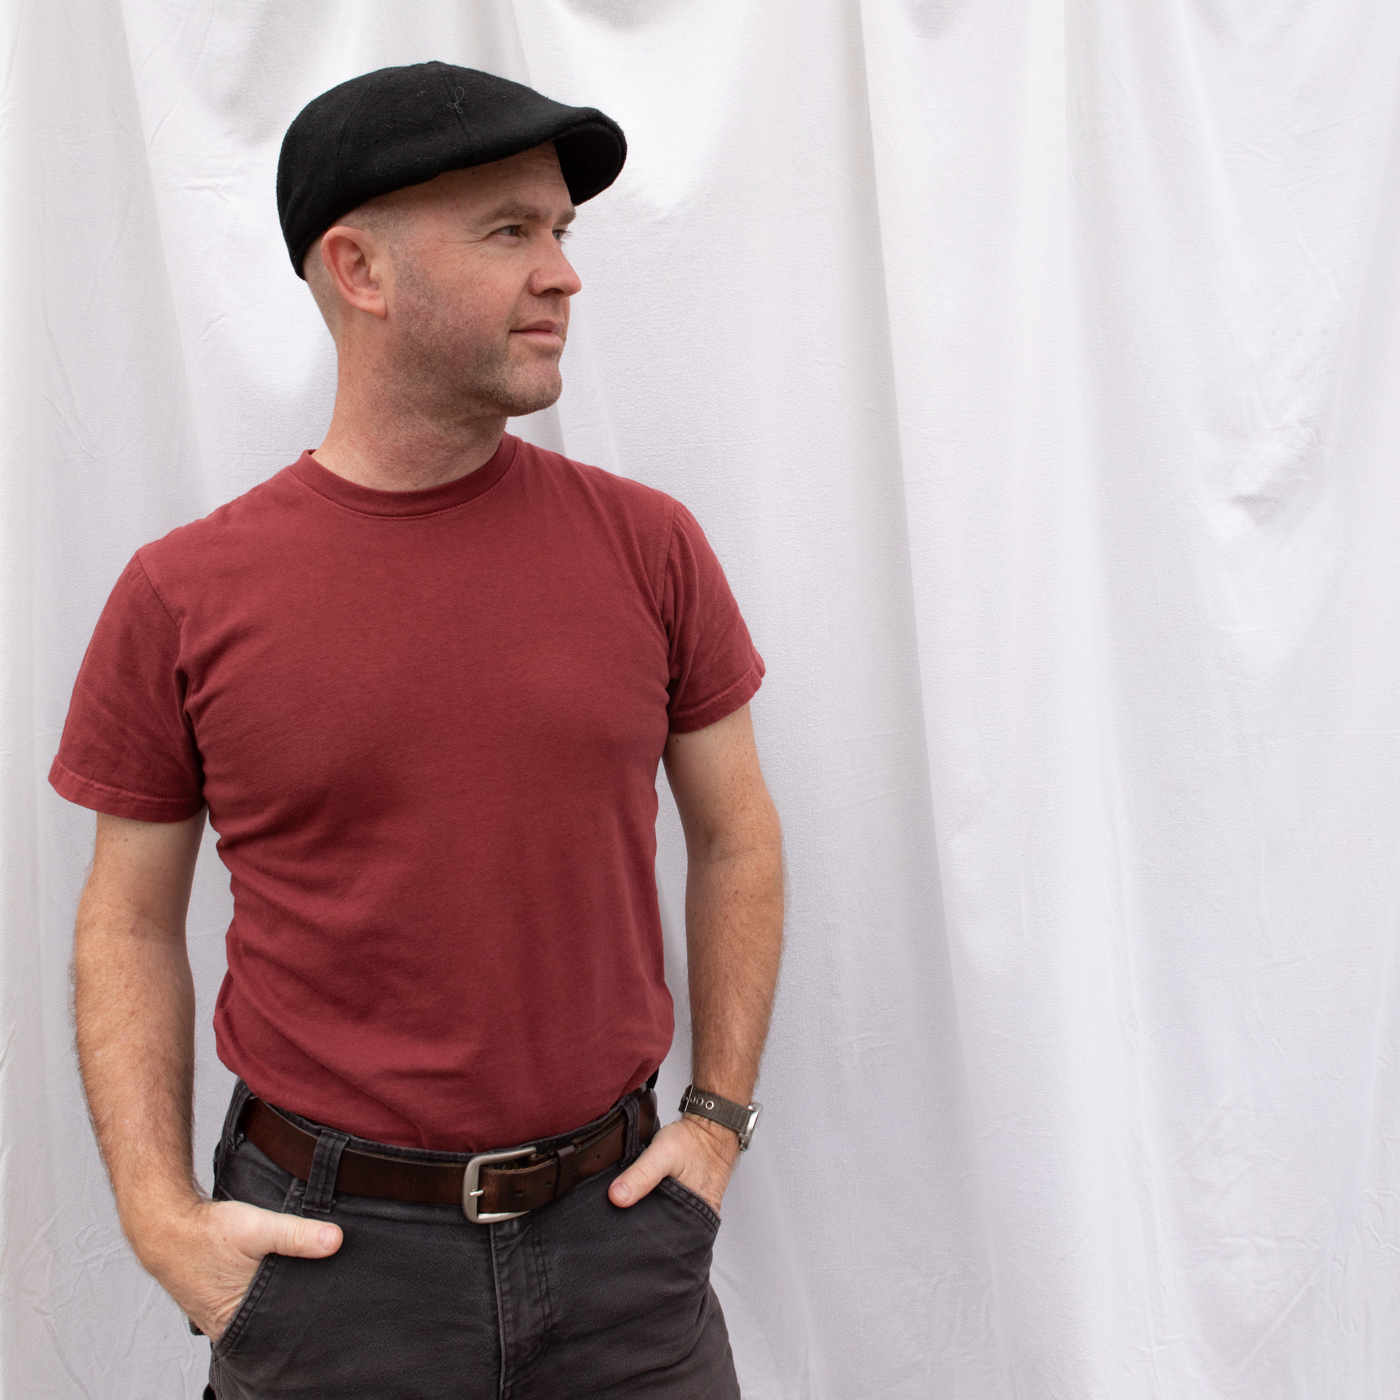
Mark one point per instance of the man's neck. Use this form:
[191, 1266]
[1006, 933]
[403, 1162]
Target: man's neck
[374, 446]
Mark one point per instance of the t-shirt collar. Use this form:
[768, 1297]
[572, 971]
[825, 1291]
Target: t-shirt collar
[368, 501]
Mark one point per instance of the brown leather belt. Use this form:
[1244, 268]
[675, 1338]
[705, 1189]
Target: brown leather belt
[491, 1186]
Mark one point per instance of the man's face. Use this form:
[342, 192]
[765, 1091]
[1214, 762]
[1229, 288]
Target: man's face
[479, 300]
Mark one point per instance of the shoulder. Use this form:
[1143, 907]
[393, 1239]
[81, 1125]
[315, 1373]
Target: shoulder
[238, 534]
[251, 512]
[587, 487]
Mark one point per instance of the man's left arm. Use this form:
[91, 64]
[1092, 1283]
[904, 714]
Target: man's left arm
[734, 935]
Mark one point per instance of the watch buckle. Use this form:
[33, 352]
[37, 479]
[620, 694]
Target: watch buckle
[750, 1123]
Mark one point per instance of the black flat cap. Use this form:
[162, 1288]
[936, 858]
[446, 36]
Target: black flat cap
[397, 127]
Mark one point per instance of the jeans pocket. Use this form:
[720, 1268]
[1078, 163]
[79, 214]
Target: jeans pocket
[238, 1323]
[686, 1198]
[248, 1176]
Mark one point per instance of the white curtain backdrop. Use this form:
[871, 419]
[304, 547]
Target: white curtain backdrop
[1032, 365]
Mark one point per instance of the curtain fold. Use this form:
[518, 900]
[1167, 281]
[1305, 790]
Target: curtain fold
[1031, 365]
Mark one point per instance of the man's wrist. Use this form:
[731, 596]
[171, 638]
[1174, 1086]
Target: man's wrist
[735, 1115]
[155, 1218]
[715, 1135]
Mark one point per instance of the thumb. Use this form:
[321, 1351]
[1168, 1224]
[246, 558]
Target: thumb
[656, 1163]
[267, 1232]
[305, 1239]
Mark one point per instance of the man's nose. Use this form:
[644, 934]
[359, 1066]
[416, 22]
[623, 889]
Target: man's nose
[556, 274]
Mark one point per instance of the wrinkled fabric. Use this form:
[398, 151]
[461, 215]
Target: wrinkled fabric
[1031, 366]
[576, 1298]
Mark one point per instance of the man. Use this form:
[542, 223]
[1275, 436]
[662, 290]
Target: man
[422, 679]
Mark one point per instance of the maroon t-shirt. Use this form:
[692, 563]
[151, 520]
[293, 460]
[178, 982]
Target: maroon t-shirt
[427, 727]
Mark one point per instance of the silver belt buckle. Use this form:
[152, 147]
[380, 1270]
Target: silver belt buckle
[472, 1189]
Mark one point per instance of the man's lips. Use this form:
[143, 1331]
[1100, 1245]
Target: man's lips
[542, 332]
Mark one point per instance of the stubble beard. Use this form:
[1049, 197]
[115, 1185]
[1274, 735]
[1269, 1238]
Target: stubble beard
[452, 375]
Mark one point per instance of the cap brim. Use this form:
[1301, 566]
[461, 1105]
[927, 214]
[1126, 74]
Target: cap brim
[591, 157]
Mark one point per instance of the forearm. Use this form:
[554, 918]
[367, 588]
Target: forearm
[734, 940]
[734, 933]
[134, 1012]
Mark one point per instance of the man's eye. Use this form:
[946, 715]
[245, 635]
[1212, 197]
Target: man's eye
[563, 233]
[512, 229]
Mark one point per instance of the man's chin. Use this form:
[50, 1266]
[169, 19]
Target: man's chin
[517, 401]
[510, 390]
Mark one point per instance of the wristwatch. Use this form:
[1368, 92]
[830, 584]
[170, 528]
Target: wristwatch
[741, 1118]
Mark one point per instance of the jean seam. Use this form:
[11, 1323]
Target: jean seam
[504, 1385]
[546, 1307]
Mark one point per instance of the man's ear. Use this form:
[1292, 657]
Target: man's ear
[356, 262]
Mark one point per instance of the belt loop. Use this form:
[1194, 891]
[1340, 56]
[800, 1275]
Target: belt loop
[320, 1187]
[648, 1112]
[632, 1135]
[228, 1138]
[568, 1170]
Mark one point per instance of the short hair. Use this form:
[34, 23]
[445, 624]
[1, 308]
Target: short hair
[381, 216]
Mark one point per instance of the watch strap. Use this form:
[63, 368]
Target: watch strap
[704, 1103]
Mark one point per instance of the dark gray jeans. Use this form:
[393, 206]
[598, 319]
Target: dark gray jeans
[578, 1298]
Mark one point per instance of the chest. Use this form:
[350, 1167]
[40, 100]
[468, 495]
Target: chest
[350, 671]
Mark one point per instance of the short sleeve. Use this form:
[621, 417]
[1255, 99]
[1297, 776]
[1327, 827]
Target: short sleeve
[127, 748]
[714, 668]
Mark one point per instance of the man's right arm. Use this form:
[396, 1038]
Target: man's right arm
[134, 1009]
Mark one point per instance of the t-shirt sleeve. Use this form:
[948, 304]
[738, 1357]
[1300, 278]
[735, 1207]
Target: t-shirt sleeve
[714, 666]
[127, 748]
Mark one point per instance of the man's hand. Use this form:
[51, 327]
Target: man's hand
[206, 1258]
[698, 1153]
